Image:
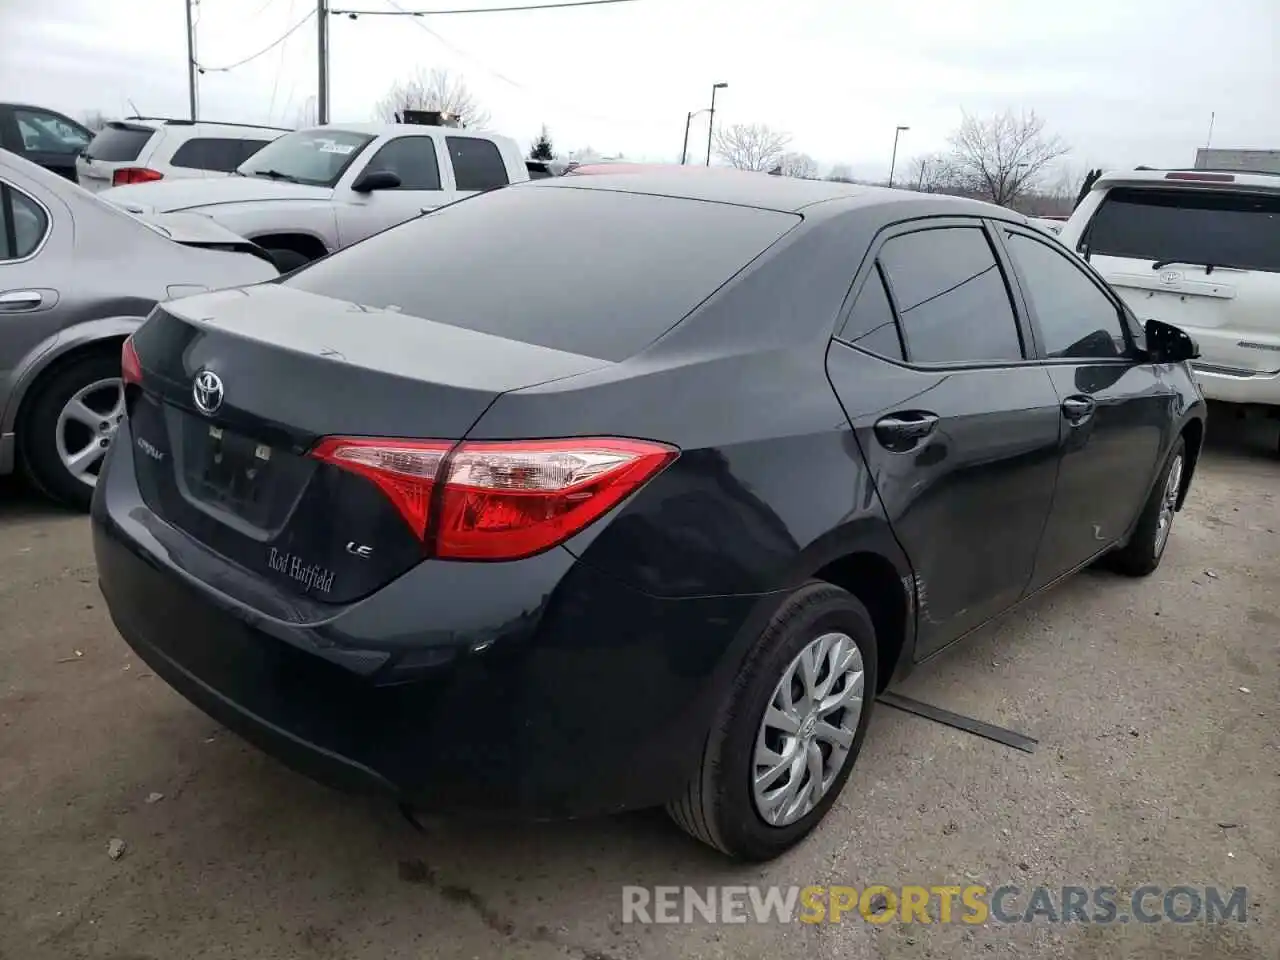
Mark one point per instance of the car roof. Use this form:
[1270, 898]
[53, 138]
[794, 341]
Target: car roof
[1199, 179]
[378, 129]
[751, 189]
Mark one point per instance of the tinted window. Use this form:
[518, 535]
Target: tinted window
[247, 148]
[319, 156]
[117, 143]
[951, 296]
[22, 224]
[209, 153]
[1075, 318]
[49, 132]
[609, 273]
[477, 164]
[871, 325]
[413, 160]
[1189, 226]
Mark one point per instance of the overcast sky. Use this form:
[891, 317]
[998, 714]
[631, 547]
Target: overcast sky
[1124, 82]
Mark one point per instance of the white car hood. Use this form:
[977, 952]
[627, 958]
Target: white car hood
[168, 196]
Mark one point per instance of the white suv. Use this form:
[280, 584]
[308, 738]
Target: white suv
[1199, 249]
[143, 149]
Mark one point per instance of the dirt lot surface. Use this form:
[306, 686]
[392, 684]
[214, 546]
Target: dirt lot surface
[1154, 766]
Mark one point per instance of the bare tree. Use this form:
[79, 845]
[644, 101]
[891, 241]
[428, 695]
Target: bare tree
[841, 173]
[1003, 156]
[799, 165]
[95, 120]
[933, 173]
[432, 90]
[752, 146]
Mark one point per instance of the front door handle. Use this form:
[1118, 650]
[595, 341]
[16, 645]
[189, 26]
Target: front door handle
[20, 299]
[900, 432]
[1078, 409]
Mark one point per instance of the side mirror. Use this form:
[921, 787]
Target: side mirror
[372, 180]
[1168, 344]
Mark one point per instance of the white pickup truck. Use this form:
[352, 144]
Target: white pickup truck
[314, 191]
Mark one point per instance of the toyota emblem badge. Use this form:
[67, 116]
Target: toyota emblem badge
[207, 392]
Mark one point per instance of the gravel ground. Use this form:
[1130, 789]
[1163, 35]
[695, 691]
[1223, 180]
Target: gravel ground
[1148, 746]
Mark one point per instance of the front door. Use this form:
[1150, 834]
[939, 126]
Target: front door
[415, 161]
[50, 139]
[957, 422]
[1116, 410]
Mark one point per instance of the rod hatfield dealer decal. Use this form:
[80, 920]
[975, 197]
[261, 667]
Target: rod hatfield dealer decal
[311, 576]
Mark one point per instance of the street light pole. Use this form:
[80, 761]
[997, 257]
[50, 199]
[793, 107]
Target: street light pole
[711, 123]
[894, 161]
[684, 151]
[322, 50]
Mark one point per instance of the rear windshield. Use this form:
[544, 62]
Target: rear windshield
[593, 272]
[1189, 226]
[118, 143]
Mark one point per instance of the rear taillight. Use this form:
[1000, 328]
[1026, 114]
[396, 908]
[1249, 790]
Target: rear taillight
[130, 365]
[499, 500]
[127, 175]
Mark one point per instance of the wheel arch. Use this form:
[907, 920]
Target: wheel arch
[304, 242]
[1192, 434]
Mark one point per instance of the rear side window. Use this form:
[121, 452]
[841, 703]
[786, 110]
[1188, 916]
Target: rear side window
[477, 164]
[23, 224]
[951, 296]
[118, 143]
[608, 274]
[871, 325]
[1188, 227]
[209, 153]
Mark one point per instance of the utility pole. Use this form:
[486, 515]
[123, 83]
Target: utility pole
[322, 37]
[191, 58]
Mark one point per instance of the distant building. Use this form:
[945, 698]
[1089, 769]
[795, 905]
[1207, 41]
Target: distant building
[1259, 161]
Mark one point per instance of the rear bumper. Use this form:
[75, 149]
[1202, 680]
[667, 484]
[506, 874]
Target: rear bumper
[1235, 385]
[540, 688]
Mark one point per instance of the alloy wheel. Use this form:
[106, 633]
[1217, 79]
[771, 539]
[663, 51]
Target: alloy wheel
[86, 425]
[1168, 505]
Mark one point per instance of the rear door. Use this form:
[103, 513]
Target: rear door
[956, 419]
[477, 165]
[1117, 408]
[415, 160]
[1205, 260]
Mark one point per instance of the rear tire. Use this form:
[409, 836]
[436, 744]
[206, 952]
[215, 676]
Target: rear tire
[723, 806]
[1145, 549]
[74, 410]
[288, 260]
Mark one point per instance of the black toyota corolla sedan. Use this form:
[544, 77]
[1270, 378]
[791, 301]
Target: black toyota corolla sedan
[629, 489]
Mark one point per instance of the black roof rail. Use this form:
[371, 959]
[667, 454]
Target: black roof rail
[180, 122]
[1264, 173]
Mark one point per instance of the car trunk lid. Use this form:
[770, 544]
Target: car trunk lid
[239, 386]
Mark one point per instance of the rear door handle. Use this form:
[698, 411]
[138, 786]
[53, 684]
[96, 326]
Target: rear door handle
[20, 299]
[1078, 409]
[903, 431]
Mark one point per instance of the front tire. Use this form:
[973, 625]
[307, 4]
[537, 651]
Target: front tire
[786, 740]
[288, 260]
[72, 418]
[1145, 549]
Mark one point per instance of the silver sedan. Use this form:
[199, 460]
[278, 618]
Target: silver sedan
[77, 276]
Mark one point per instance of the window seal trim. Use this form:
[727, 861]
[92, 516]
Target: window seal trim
[919, 225]
[48, 223]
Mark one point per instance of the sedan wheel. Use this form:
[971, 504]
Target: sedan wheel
[68, 423]
[807, 729]
[1168, 505]
[86, 425]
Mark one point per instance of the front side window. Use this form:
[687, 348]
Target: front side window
[952, 299]
[23, 224]
[412, 159]
[477, 164]
[1196, 227]
[318, 157]
[1075, 318]
[48, 132]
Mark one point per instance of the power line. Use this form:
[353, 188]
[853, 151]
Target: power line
[279, 40]
[400, 12]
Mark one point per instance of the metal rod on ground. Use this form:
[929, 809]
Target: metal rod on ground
[322, 47]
